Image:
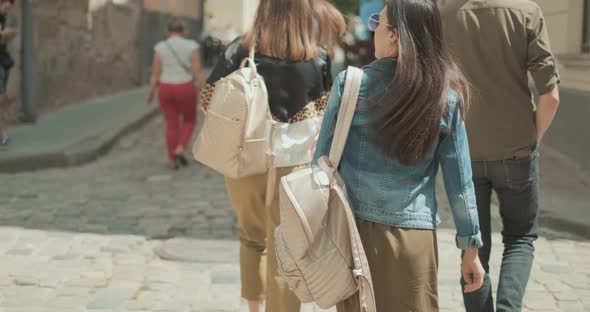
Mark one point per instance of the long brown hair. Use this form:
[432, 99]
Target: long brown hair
[408, 113]
[294, 29]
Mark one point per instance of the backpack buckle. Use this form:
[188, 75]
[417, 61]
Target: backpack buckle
[321, 178]
[357, 272]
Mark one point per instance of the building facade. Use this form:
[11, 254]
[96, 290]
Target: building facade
[233, 15]
[568, 24]
[88, 48]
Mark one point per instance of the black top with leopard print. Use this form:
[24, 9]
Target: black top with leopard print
[297, 90]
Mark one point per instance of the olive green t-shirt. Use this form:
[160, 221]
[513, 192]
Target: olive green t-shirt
[498, 43]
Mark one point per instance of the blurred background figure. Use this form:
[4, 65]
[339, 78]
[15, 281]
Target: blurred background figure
[177, 64]
[6, 63]
[212, 44]
[360, 47]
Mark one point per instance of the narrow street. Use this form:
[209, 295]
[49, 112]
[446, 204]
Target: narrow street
[83, 239]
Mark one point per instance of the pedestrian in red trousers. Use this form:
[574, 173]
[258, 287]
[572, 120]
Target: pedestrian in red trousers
[177, 63]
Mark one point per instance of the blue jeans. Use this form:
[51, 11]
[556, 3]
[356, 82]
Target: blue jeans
[516, 181]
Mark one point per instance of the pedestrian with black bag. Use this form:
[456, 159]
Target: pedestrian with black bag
[6, 63]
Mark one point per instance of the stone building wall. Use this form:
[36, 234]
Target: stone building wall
[90, 48]
[82, 53]
[565, 23]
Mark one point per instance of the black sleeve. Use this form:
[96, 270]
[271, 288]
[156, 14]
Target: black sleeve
[229, 61]
[327, 71]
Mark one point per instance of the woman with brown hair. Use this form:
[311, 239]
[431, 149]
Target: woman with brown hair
[288, 36]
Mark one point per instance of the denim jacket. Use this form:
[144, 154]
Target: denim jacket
[384, 191]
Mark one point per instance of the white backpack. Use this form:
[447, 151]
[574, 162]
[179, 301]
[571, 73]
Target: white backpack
[318, 245]
[233, 138]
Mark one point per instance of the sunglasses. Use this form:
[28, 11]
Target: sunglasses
[374, 22]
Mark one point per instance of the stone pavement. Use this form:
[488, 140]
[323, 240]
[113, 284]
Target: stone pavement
[75, 134]
[83, 239]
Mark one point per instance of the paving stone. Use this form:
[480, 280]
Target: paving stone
[25, 296]
[25, 280]
[129, 273]
[556, 269]
[6, 281]
[568, 295]
[94, 228]
[20, 251]
[542, 302]
[41, 218]
[87, 282]
[222, 278]
[571, 306]
[111, 298]
[73, 292]
[67, 302]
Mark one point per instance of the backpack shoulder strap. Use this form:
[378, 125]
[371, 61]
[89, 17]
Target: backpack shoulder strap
[361, 270]
[186, 68]
[352, 86]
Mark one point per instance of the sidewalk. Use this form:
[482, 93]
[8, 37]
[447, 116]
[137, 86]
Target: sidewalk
[75, 134]
[569, 131]
[84, 272]
[565, 194]
[565, 166]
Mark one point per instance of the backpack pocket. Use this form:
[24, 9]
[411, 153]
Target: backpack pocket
[326, 280]
[289, 270]
[320, 280]
[219, 144]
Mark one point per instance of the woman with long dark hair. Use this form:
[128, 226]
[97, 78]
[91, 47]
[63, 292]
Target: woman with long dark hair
[288, 37]
[408, 122]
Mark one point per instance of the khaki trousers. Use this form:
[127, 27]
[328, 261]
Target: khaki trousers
[404, 267]
[257, 243]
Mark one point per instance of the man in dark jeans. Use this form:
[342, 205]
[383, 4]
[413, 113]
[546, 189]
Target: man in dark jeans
[499, 42]
[6, 63]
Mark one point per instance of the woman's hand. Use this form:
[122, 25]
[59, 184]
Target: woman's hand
[472, 270]
[154, 79]
[151, 96]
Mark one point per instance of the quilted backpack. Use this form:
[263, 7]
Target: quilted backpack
[318, 245]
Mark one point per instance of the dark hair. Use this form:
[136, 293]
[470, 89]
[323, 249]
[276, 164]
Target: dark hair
[288, 29]
[176, 26]
[11, 1]
[408, 113]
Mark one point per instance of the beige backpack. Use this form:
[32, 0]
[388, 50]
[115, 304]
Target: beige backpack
[318, 245]
[233, 138]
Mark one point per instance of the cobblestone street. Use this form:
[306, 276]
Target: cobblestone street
[83, 239]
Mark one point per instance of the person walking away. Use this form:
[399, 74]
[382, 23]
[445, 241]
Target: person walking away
[288, 37]
[408, 122]
[176, 66]
[6, 63]
[498, 43]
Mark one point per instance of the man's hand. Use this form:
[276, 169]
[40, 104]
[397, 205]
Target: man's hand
[473, 272]
[546, 110]
[9, 33]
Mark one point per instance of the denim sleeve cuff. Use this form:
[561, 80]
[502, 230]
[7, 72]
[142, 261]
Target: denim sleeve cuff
[466, 242]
